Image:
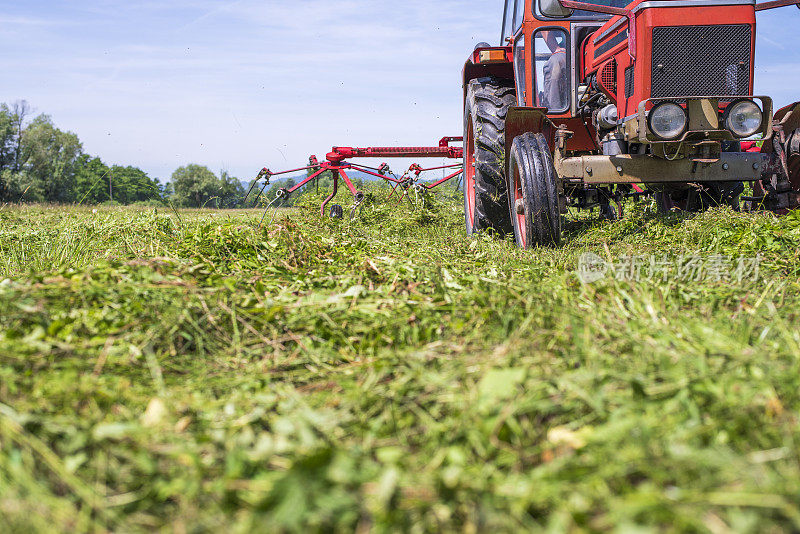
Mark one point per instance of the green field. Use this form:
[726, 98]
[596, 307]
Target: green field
[187, 371]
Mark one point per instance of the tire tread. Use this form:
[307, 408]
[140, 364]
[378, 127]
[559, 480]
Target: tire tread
[488, 102]
[531, 153]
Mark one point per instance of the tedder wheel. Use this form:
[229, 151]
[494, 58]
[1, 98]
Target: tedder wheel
[702, 197]
[533, 185]
[485, 195]
[337, 212]
[695, 200]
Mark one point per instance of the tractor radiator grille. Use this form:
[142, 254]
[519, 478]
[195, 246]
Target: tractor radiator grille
[629, 87]
[701, 60]
[608, 76]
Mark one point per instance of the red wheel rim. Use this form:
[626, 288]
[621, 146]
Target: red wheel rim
[469, 175]
[519, 219]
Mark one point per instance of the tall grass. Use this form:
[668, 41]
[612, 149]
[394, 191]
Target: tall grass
[197, 372]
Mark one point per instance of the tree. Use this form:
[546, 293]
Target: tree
[95, 181]
[231, 190]
[39, 162]
[12, 128]
[6, 148]
[166, 190]
[131, 184]
[50, 157]
[19, 115]
[24, 186]
[194, 186]
[91, 180]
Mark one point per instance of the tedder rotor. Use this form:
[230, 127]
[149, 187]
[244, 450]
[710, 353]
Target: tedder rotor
[336, 161]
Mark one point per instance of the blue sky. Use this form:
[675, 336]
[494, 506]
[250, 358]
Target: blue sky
[239, 84]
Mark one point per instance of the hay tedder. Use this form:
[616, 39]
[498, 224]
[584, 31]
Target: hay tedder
[587, 103]
[336, 163]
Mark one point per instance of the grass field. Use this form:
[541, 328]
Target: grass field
[190, 372]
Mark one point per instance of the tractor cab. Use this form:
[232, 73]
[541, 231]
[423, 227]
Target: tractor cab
[551, 36]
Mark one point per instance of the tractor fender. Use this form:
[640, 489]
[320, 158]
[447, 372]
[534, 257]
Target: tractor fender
[473, 71]
[789, 119]
[793, 144]
[522, 120]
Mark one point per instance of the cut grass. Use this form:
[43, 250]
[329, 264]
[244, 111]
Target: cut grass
[189, 371]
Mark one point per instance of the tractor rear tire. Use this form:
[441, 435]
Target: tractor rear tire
[533, 190]
[485, 195]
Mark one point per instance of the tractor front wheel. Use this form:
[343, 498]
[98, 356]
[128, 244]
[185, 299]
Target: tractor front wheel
[533, 189]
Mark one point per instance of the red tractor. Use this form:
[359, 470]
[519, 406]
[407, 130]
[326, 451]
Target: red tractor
[587, 103]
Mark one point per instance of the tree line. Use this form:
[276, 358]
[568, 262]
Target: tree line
[41, 163]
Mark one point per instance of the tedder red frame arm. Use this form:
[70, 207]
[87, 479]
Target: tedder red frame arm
[335, 161]
[776, 3]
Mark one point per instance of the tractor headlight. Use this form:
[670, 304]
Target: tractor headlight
[667, 120]
[743, 118]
